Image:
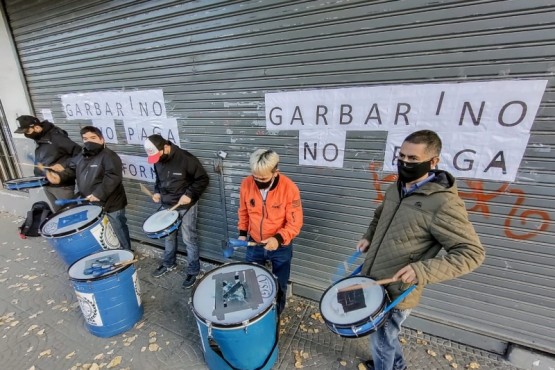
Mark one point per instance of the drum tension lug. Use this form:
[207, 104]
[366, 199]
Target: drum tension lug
[209, 329]
[245, 324]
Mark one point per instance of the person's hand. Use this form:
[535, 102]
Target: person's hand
[242, 238]
[92, 198]
[407, 275]
[184, 200]
[57, 167]
[53, 177]
[362, 245]
[156, 198]
[271, 244]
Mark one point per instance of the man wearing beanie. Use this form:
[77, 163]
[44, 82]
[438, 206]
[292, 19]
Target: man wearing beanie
[53, 147]
[180, 179]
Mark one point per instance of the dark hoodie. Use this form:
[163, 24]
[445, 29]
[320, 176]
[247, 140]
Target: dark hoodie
[55, 147]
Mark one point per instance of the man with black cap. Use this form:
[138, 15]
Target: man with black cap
[53, 147]
[180, 179]
[98, 172]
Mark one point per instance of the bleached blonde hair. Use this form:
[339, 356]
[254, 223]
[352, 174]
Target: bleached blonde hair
[263, 161]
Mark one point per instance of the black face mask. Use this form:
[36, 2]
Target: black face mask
[412, 171]
[34, 135]
[263, 185]
[164, 158]
[90, 148]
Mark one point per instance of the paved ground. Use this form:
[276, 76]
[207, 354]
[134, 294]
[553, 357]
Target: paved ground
[42, 326]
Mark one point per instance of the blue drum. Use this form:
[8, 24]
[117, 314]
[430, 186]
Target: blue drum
[78, 231]
[162, 224]
[354, 306]
[108, 291]
[26, 183]
[236, 315]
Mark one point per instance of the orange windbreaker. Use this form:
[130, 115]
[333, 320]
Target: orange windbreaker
[280, 216]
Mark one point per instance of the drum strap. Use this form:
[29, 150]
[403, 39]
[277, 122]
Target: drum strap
[216, 348]
[398, 300]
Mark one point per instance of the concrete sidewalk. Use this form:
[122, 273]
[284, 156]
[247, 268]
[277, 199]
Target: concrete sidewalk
[42, 327]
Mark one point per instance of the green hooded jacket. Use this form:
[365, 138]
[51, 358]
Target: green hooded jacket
[413, 230]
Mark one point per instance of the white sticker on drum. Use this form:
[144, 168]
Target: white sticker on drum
[110, 239]
[105, 235]
[89, 308]
[137, 287]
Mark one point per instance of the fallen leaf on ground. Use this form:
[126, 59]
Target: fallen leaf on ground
[448, 357]
[431, 353]
[153, 347]
[115, 362]
[473, 365]
[48, 352]
[70, 355]
[454, 365]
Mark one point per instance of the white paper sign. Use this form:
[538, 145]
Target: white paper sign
[322, 148]
[137, 131]
[499, 106]
[492, 157]
[108, 129]
[137, 168]
[90, 310]
[485, 126]
[143, 104]
[47, 115]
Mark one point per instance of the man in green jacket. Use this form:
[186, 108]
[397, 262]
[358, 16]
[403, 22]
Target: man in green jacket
[421, 214]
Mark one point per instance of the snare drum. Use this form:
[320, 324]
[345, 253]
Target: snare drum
[236, 313]
[78, 231]
[357, 312]
[162, 224]
[26, 183]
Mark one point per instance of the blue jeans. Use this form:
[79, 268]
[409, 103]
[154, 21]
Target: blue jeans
[119, 224]
[385, 346]
[281, 267]
[189, 234]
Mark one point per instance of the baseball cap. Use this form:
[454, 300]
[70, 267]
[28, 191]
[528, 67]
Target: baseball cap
[153, 144]
[25, 122]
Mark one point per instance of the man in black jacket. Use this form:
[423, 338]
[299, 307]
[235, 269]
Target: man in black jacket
[53, 147]
[98, 173]
[180, 179]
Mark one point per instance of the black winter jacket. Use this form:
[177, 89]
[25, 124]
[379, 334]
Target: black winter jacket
[54, 147]
[101, 176]
[181, 174]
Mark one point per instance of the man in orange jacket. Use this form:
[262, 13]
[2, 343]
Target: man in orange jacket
[270, 213]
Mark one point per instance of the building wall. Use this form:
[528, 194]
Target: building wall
[216, 60]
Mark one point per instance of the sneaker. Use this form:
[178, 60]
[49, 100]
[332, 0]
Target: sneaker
[161, 270]
[189, 281]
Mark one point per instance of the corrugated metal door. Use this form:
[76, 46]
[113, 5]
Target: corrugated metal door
[215, 60]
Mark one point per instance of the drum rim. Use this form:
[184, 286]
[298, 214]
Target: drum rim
[362, 321]
[155, 234]
[37, 180]
[103, 276]
[177, 220]
[74, 231]
[237, 324]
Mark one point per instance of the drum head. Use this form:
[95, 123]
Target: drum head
[346, 308]
[160, 221]
[70, 220]
[99, 265]
[234, 293]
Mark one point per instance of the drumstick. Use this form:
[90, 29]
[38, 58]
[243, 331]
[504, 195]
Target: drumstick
[174, 207]
[34, 165]
[145, 190]
[367, 284]
[125, 263]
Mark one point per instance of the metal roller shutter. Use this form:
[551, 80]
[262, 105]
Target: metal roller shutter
[215, 60]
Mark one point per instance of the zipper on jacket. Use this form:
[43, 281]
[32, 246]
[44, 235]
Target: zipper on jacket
[263, 213]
